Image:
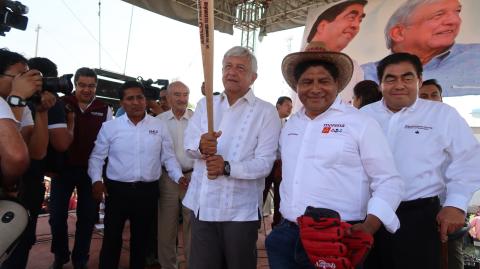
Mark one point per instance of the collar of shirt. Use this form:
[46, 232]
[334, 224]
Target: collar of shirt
[89, 104]
[411, 108]
[440, 57]
[337, 105]
[249, 97]
[128, 121]
[170, 116]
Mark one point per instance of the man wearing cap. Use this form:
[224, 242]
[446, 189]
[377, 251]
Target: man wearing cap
[333, 157]
[336, 24]
[436, 153]
[225, 192]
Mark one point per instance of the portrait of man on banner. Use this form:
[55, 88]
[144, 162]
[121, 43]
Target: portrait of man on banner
[429, 29]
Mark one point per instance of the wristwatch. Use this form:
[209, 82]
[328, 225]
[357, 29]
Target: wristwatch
[14, 100]
[226, 168]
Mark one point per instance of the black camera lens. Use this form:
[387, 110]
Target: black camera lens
[61, 84]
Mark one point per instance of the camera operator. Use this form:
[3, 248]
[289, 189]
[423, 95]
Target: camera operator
[90, 113]
[17, 83]
[32, 187]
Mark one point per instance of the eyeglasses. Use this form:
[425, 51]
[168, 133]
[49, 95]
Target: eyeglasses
[7, 75]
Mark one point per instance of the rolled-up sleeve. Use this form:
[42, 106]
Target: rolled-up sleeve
[385, 182]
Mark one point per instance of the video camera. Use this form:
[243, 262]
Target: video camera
[152, 92]
[11, 15]
[61, 84]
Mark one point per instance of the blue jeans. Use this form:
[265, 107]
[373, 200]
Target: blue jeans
[61, 191]
[284, 248]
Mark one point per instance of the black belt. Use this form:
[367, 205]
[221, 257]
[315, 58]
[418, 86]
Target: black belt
[187, 171]
[422, 202]
[133, 185]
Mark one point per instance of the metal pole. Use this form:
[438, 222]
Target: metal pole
[99, 35]
[36, 42]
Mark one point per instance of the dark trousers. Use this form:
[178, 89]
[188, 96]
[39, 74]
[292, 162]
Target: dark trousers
[274, 178]
[285, 249]
[135, 202]
[223, 245]
[415, 245]
[60, 194]
[31, 195]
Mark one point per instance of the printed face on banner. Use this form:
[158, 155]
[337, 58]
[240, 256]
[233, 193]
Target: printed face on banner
[338, 33]
[431, 27]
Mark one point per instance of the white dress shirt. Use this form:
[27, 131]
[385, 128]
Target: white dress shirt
[340, 160]
[135, 152]
[249, 140]
[177, 132]
[433, 148]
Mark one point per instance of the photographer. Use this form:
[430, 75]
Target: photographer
[32, 188]
[17, 83]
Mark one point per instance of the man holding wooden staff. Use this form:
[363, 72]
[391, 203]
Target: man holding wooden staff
[225, 192]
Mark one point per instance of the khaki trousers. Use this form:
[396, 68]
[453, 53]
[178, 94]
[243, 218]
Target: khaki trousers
[169, 205]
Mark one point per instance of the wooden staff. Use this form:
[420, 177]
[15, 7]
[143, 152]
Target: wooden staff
[205, 25]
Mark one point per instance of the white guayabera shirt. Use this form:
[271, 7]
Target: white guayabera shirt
[249, 140]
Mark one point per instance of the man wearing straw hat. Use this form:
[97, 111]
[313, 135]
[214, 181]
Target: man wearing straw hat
[225, 191]
[333, 157]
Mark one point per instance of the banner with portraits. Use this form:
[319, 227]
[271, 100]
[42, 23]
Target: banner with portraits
[443, 33]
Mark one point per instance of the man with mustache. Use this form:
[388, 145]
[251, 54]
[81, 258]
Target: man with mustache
[428, 29]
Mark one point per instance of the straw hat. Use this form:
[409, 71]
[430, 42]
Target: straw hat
[315, 51]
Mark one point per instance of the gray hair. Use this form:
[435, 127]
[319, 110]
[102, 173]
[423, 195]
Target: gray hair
[239, 51]
[402, 16]
[175, 84]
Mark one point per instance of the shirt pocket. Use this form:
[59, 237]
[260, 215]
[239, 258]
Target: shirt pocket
[328, 152]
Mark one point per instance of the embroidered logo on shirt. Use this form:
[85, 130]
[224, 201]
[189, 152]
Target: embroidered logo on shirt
[292, 134]
[154, 132]
[418, 128]
[100, 114]
[332, 128]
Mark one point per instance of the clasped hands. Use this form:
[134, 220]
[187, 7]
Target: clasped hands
[208, 149]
